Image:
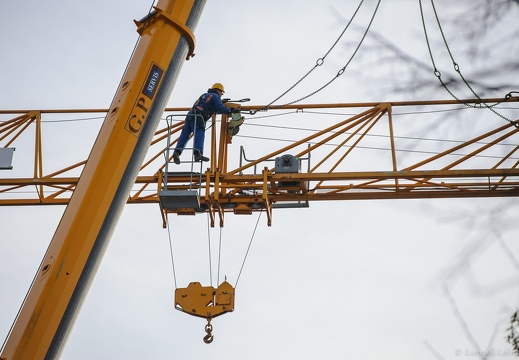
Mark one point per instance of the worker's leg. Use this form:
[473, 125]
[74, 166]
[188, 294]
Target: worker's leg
[184, 134]
[183, 138]
[199, 135]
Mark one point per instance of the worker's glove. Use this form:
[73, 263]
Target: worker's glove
[234, 110]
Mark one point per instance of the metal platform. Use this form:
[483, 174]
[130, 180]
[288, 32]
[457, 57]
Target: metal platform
[179, 199]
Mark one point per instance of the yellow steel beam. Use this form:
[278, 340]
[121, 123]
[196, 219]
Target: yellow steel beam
[394, 104]
[222, 185]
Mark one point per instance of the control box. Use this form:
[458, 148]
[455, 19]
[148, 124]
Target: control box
[287, 164]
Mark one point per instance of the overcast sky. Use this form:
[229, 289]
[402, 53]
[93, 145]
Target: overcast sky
[344, 280]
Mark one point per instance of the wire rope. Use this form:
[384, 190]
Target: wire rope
[171, 253]
[209, 247]
[456, 66]
[371, 135]
[343, 69]
[406, 151]
[73, 120]
[248, 249]
[219, 256]
[282, 114]
[318, 62]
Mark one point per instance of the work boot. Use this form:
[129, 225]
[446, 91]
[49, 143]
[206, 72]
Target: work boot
[200, 157]
[176, 157]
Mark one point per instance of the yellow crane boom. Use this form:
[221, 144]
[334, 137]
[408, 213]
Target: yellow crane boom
[69, 265]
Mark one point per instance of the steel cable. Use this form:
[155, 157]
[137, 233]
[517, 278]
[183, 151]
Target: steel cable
[171, 253]
[343, 69]
[456, 66]
[219, 256]
[319, 62]
[248, 248]
[209, 246]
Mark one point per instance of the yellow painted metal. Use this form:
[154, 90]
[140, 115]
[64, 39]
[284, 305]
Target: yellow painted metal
[205, 301]
[223, 187]
[56, 294]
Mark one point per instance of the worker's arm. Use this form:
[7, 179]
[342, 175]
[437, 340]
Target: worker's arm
[219, 106]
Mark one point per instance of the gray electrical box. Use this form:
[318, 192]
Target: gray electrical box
[287, 164]
[6, 158]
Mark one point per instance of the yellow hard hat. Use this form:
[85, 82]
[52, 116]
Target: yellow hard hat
[218, 86]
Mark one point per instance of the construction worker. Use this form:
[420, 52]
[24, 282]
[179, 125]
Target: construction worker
[207, 104]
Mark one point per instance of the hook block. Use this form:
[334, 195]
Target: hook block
[205, 301]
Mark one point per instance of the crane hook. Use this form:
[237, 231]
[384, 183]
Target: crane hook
[209, 330]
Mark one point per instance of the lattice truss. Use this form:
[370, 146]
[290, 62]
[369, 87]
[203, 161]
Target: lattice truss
[342, 152]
